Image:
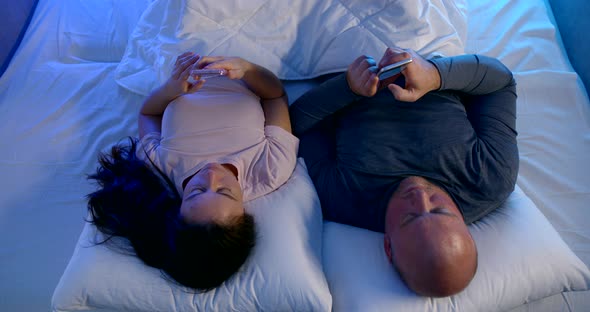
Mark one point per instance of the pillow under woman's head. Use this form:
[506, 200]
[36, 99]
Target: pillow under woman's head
[136, 201]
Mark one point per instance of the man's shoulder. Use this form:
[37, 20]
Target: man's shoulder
[350, 201]
[478, 201]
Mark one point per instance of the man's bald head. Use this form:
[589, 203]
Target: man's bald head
[437, 261]
[427, 240]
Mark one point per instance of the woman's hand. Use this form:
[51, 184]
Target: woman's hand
[236, 67]
[421, 75]
[361, 76]
[178, 83]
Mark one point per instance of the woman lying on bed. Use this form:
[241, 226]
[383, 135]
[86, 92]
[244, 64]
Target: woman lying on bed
[205, 148]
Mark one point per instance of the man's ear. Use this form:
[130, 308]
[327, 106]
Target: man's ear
[387, 247]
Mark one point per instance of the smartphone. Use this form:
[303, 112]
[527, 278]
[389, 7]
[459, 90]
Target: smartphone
[208, 73]
[393, 69]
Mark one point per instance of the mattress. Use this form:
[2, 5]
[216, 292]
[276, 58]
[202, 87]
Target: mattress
[57, 112]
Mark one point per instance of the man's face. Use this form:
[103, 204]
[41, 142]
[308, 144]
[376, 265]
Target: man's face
[416, 200]
[213, 194]
[425, 236]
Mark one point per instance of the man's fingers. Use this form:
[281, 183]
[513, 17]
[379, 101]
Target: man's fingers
[365, 75]
[371, 84]
[357, 62]
[393, 55]
[394, 50]
[368, 62]
[400, 93]
[362, 62]
[396, 90]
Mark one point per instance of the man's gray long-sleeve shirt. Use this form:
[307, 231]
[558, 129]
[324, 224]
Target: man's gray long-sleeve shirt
[461, 137]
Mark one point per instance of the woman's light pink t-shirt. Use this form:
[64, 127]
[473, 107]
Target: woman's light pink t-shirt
[223, 122]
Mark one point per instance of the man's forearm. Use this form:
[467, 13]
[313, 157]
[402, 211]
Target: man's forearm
[320, 103]
[472, 74]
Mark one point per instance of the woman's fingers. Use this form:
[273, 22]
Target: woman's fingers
[187, 70]
[182, 69]
[182, 56]
[196, 86]
[206, 60]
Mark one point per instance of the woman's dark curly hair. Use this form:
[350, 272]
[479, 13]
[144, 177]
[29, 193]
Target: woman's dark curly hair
[136, 201]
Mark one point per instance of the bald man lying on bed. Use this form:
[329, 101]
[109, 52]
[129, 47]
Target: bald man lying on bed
[417, 159]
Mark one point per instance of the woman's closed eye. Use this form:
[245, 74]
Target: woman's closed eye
[196, 191]
[226, 192]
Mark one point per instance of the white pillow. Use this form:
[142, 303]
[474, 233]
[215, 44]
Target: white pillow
[97, 30]
[284, 272]
[294, 39]
[521, 259]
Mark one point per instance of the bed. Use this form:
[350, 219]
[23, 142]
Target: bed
[73, 87]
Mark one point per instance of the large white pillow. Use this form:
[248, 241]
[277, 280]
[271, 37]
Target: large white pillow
[521, 259]
[284, 273]
[97, 30]
[294, 39]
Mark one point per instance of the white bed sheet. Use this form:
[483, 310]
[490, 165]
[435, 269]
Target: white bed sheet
[553, 111]
[54, 117]
[553, 121]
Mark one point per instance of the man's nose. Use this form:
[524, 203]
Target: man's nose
[420, 200]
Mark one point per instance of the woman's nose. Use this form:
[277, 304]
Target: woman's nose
[212, 178]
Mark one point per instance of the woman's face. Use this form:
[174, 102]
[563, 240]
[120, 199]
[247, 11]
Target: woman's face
[213, 194]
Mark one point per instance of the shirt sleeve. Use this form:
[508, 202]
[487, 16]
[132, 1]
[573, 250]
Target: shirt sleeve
[473, 74]
[277, 161]
[320, 103]
[489, 97]
[488, 92]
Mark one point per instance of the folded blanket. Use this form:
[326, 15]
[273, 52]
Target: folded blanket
[295, 39]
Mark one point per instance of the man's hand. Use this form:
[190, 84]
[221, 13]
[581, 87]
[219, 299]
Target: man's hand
[421, 75]
[177, 84]
[361, 76]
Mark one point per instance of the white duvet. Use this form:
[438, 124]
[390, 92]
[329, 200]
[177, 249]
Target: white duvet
[59, 106]
[295, 39]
